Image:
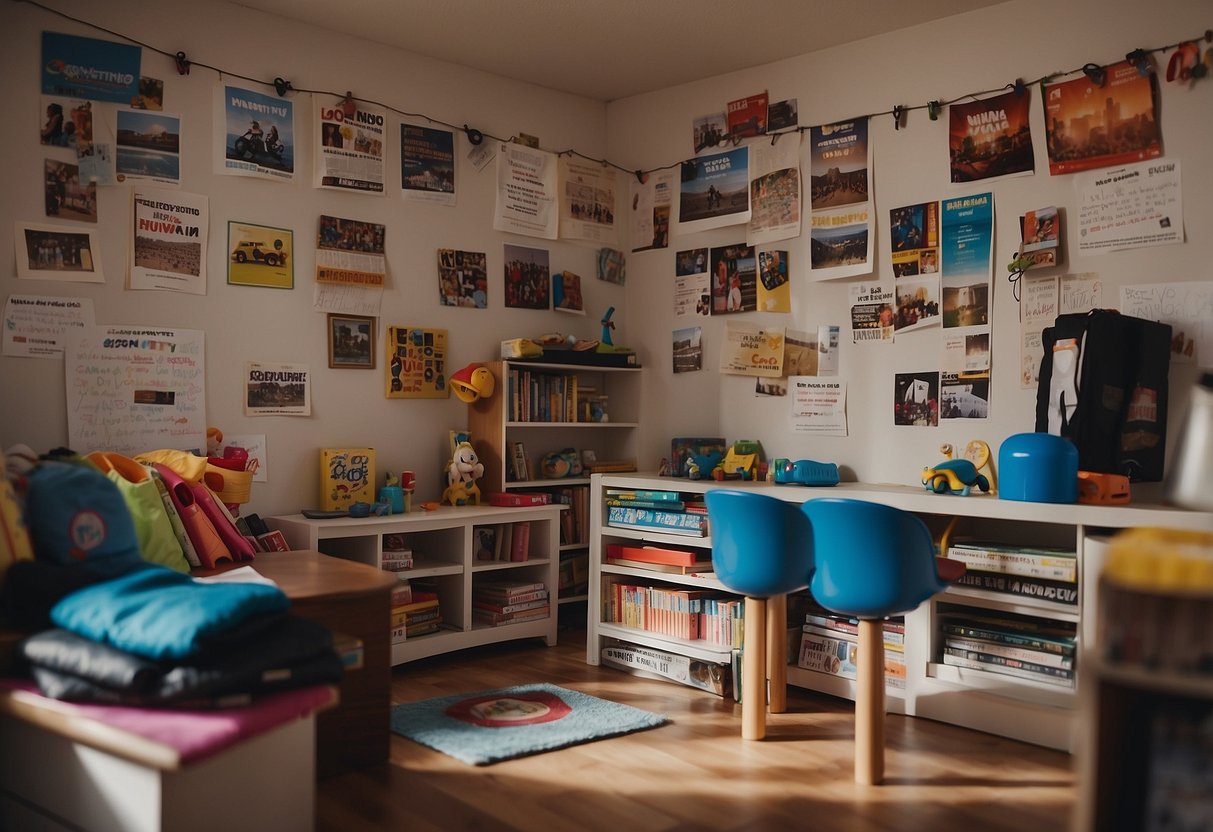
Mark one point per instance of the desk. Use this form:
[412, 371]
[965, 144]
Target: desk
[353, 599]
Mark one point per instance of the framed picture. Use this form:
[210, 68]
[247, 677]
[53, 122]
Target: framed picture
[351, 341]
[260, 255]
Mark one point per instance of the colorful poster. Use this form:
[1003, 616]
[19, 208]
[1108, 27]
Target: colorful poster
[990, 138]
[840, 243]
[349, 148]
[750, 351]
[1089, 125]
[964, 395]
[148, 147]
[692, 292]
[774, 288]
[427, 164]
[774, 192]
[527, 277]
[715, 191]
[37, 327]
[587, 201]
[526, 192]
[167, 249]
[130, 389]
[350, 252]
[967, 269]
[463, 278]
[416, 366]
[914, 239]
[734, 279]
[916, 399]
[1131, 207]
[277, 389]
[871, 312]
[652, 200]
[98, 70]
[747, 117]
[260, 255]
[688, 349]
[841, 235]
[566, 293]
[256, 134]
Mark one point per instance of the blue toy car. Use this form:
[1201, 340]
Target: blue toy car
[805, 472]
[954, 476]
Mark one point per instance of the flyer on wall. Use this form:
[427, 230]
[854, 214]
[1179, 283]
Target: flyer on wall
[692, 292]
[99, 70]
[255, 134]
[811, 353]
[967, 270]
[841, 233]
[526, 192]
[750, 351]
[148, 147]
[167, 249]
[349, 149]
[277, 389]
[36, 326]
[818, 406]
[427, 165]
[871, 312]
[1130, 207]
[774, 287]
[990, 138]
[774, 192]
[688, 349]
[652, 201]
[587, 201]
[714, 191]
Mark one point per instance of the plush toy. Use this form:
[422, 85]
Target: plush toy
[461, 474]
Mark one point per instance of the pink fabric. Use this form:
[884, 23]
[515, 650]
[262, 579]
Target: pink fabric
[196, 735]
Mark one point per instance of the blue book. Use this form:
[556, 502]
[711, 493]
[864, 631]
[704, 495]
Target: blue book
[671, 522]
[640, 494]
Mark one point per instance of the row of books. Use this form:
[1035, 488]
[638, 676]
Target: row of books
[503, 542]
[397, 553]
[1025, 647]
[500, 602]
[415, 612]
[668, 512]
[574, 574]
[645, 661]
[1167, 632]
[829, 644]
[541, 397]
[574, 525]
[691, 614]
[1045, 573]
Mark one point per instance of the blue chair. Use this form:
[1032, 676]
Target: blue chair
[760, 550]
[872, 561]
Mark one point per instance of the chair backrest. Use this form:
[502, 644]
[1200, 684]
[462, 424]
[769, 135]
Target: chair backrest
[871, 560]
[760, 544]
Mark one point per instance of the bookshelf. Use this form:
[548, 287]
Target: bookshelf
[547, 407]
[1020, 708]
[445, 543]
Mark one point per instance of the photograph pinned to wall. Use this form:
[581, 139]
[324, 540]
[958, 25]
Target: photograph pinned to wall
[526, 192]
[102, 70]
[916, 302]
[427, 164]
[840, 243]
[566, 293]
[350, 266]
[148, 147]
[990, 138]
[588, 201]
[351, 342]
[652, 200]
[811, 353]
[416, 365]
[818, 406]
[747, 117]
[349, 140]
[37, 326]
[914, 239]
[714, 191]
[67, 197]
[774, 191]
[748, 350]
[463, 278]
[966, 351]
[965, 396]
[782, 115]
[66, 122]
[916, 399]
[527, 277]
[774, 288]
[612, 266]
[260, 255]
[277, 389]
[967, 268]
[167, 249]
[710, 131]
[692, 289]
[688, 349]
[255, 134]
[151, 94]
[871, 312]
[1098, 125]
[734, 279]
[57, 252]
[839, 159]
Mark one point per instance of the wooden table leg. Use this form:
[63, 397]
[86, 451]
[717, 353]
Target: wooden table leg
[869, 704]
[777, 653]
[753, 671]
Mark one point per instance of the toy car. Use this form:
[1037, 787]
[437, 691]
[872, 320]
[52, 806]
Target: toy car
[805, 472]
[740, 462]
[954, 476]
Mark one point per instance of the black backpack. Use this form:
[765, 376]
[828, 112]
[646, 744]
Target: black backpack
[1103, 386]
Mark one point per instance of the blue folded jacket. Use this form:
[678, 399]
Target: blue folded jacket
[162, 614]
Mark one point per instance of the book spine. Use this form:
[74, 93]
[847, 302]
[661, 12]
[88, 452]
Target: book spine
[664, 505]
[497, 599]
[520, 546]
[1009, 651]
[658, 496]
[1062, 646]
[651, 518]
[508, 588]
[508, 608]
[654, 554]
[1062, 592]
[1052, 566]
[827, 654]
[981, 661]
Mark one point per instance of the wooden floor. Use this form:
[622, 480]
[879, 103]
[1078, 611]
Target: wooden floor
[696, 773]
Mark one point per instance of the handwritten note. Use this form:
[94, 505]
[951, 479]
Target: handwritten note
[132, 390]
[1187, 307]
[1081, 292]
[1131, 207]
[35, 326]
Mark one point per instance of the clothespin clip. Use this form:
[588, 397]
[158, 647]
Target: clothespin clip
[933, 110]
[641, 176]
[348, 106]
[899, 116]
[1019, 87]
[775, 138]
[474, 135]
[1140, 59]
[1095, 74]
[183, 63]
[282, 86]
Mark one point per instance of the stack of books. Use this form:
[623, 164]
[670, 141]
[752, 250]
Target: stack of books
[1037, 649]
[659, 559]
[1047, 573]
[415, 612]
[829, 643]
[495, 603]
[397, 554]
[660, 511]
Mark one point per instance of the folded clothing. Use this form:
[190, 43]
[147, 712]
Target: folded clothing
[161, 614]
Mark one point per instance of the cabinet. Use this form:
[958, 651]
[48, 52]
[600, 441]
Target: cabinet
[1018, 708]
[444, 544]
[544, 407]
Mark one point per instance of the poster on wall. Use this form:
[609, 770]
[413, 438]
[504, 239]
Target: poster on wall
[747, 117]
[871, 312]
[130, 389]
[1090, 125]
[1038, 308]
[818, 406]
[148, 147]
[427, 165]
[991, 138]
[709, 131]
[914, 239]
[652, 201]
[37, 326]
[1131, 207]
[99, 70]
[416, 365]
[916, 399]
[734, 279]
[527, 277]
[167, 249]
[967, 270]
[255, 134]
[349, 148]
[277, 389]
[774, 288]
[688, 349]
[714, 191]
[260, 255]
[463, 278]
[692, 291]
[750, 351]
[526, 192]
[841, 221]
[587, 201]
[964, 395]
[774, 192]
[57, 252]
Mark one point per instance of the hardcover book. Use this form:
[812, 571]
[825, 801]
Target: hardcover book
[714, 678]
[347, 476]
[658, 554]
[670, 522]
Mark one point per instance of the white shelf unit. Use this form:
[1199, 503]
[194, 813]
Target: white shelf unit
[443, 545]
[1022, 709]
[493, 432]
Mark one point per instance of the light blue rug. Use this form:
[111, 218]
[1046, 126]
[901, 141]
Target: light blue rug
[495, 725]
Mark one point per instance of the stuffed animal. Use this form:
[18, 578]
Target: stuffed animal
[461, 474]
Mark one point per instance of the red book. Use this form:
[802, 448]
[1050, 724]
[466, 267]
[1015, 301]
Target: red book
[520, 547]
[655, 554]
[518, 498]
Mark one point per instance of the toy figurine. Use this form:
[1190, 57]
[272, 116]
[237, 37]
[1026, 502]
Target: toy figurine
[960, 476]
[740, 462]
[701, 465]
[605, 344]
[472, 383]
[461, 474]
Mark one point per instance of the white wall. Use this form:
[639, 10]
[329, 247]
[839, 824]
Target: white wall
[242, 323]
[981, 50]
